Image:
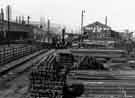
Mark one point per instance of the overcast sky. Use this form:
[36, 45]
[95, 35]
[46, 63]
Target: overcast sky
[121, 13]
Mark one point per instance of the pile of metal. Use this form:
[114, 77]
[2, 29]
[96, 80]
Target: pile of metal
[49, 78]
[65, 60]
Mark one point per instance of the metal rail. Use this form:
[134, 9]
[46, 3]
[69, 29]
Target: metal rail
[22, 67]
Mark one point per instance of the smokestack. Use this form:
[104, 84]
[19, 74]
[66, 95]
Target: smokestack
[48, 26]
[23, 22]
[16, 19]
[2, 14]
[19, 19]
[63, 35]
[106, 20]
[28, 19]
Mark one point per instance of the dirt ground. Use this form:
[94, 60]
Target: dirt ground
[17, 88]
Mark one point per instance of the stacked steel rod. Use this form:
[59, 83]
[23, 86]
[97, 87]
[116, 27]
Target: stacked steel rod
[48, 79]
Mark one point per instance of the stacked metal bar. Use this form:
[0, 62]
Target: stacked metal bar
[66, 59]
[48, 79]
[65, 63]
[43, 80]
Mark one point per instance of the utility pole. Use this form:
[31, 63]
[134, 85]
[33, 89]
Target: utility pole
[16, 19]
[8, 18]
[2, 22]
[82, 15]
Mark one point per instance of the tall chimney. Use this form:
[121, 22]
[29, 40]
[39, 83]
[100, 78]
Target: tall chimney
[16, 19]
[19, 19]
[28, 19]
[23, 22]
[2, 14]
[48, 24]
[106, 20]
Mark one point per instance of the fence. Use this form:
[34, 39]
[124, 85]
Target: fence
[10, 54]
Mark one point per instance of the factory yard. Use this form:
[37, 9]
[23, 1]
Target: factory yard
[15, 83]
[44, 55]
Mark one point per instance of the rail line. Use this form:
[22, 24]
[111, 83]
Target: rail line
[18, 69]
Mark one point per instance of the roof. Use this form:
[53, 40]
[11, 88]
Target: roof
[97, 23]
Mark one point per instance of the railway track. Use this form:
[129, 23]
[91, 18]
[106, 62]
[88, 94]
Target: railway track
[14, 82]
[22, 67]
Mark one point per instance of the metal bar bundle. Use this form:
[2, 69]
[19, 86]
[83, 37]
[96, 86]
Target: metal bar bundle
[49, 79]
[44, 82]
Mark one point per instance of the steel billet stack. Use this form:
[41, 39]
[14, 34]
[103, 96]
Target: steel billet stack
[66, 59]
[44, 82]
[64, 65]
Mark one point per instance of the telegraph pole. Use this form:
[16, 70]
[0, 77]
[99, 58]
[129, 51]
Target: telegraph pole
[2, 23]
[8, 18]
[82, 15]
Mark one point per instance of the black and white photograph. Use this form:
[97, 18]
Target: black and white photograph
[67, 48]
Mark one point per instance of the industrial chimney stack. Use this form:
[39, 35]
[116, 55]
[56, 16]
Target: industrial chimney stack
[19, 19]
[2, 14]
[28, 19]
[48, 24]
[16, 19]
[106, 20]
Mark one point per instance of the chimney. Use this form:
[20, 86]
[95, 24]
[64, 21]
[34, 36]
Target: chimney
[106, 20]
[48, 24]
[23, 22]
[16, 19]
[19, 19]
[2, 14]
[28, 19]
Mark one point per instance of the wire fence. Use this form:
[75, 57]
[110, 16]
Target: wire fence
[10, 54]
